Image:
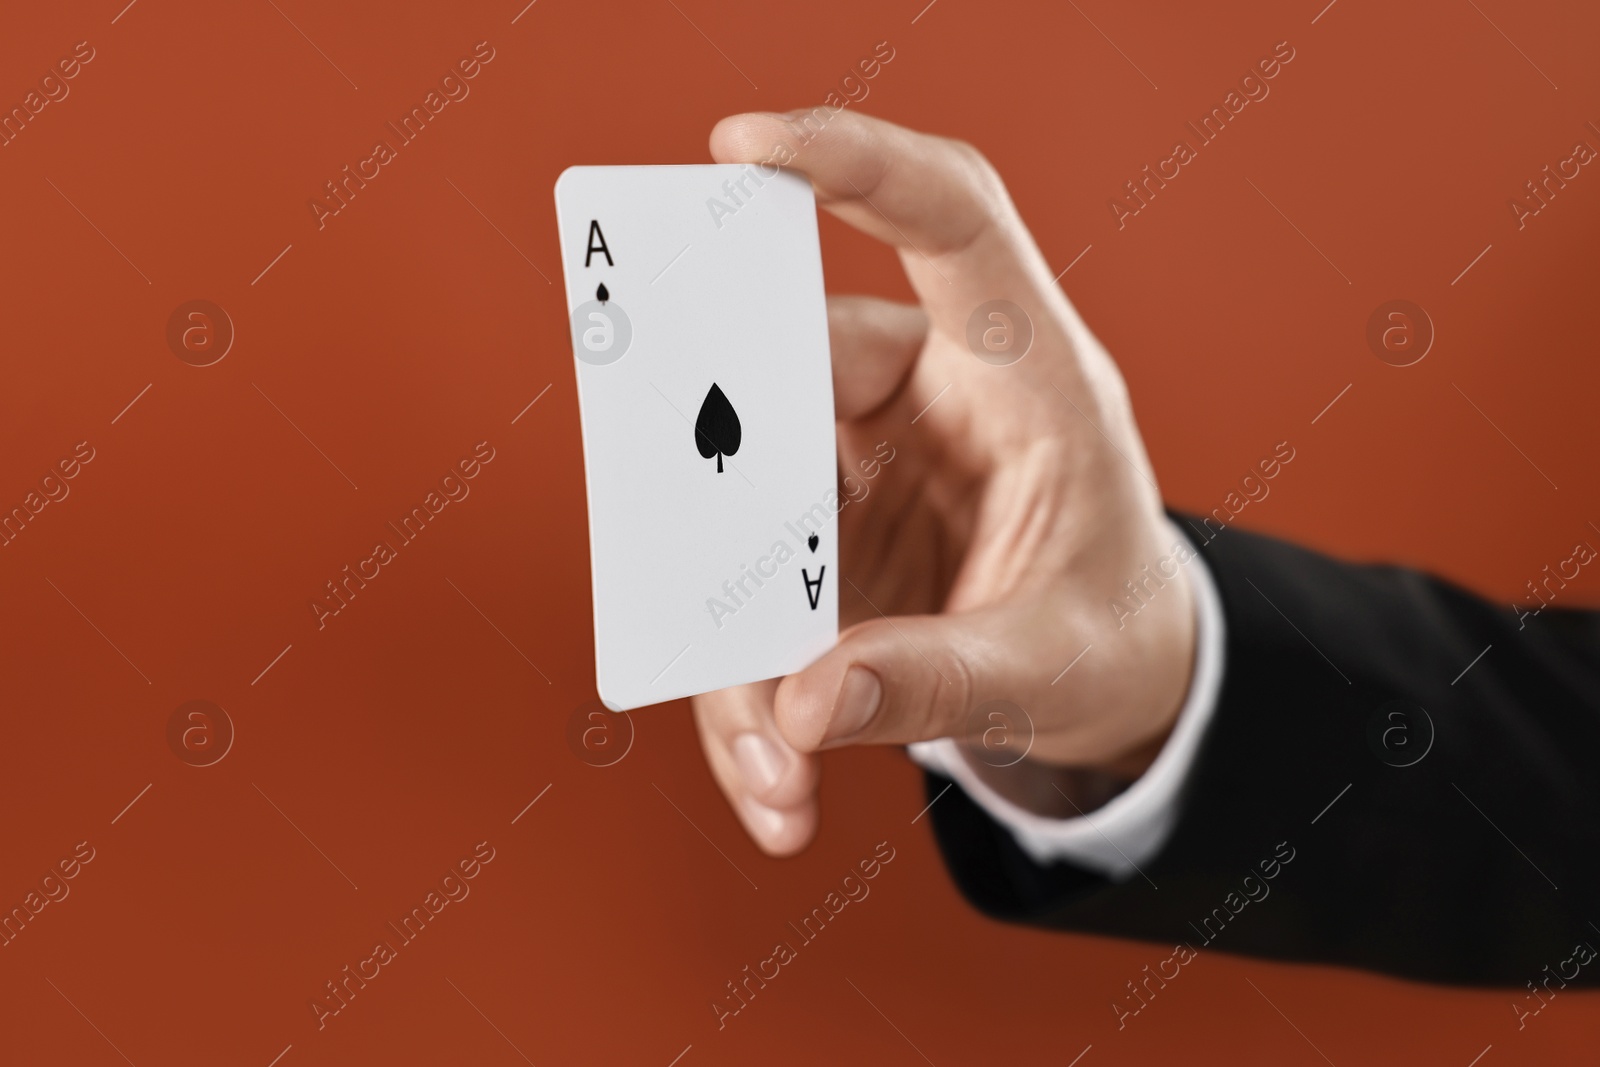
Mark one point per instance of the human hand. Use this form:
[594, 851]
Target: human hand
[1018, 503]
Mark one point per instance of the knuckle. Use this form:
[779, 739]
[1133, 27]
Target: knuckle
[951, 698]
[1114, 395]
[980, 175]
[794, 787]
[980, 186]
[971, 156]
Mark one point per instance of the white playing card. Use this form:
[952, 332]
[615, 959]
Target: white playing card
[706, 393]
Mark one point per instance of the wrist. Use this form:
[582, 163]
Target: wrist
[1121, 713]
[1051, 790]
[1151, 633]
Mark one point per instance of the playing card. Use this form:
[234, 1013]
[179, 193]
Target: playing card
[700, 336]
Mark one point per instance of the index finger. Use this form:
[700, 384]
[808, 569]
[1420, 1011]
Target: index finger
[937, 200]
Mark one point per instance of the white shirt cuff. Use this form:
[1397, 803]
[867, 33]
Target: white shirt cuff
[1133, 826]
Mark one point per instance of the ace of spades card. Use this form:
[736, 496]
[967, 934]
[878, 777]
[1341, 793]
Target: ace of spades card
[700, 339]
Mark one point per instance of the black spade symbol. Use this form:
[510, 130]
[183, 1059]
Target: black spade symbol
[811, 542]
[716, 428]
[602, 294]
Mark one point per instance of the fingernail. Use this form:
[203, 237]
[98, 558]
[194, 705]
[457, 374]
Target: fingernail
[858, 702]
[759, 762]
[764, 822]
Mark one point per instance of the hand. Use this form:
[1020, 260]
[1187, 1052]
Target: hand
[990, 550]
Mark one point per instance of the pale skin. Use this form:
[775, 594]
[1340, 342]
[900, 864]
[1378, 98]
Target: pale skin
[988, 552]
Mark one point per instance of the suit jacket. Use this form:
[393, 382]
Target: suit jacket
[1322, 822]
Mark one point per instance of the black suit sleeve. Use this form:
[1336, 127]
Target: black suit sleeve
[1302, 837]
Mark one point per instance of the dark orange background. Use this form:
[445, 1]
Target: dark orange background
[420, 320]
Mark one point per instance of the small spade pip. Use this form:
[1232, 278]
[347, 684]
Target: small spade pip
[716, 428]
[602, 294]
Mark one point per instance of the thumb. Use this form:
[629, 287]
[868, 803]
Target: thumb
[893, 681]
